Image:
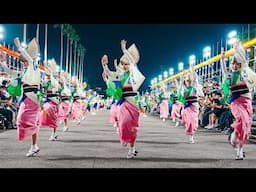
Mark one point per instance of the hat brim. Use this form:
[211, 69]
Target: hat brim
[133, 50]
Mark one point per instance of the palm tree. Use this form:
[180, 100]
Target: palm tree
[37, 33]
[45, 44]
[83, 51]
[61, 26]
[25, 33]
[66, 32]
[79, 49]
[76, 39]
[72, 37]
[37, 38]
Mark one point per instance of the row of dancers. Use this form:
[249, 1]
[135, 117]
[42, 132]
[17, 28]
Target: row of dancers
[239, 81]
[62, 95]
[46, 99]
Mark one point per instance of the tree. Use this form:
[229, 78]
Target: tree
[71, 38]
[76, 40]
[61, 26]
[66, 32]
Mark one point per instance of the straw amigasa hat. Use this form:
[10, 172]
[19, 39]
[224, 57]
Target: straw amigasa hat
[33, 49]
[136, 77]
[61, 77]
[65, 76]
[247, 73]
[133, 50]
[52, 65]
[32, 75]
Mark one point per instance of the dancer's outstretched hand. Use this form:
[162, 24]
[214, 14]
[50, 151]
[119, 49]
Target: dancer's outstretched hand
[17, 42]
[104, 60]
[123, 44]
[115, 63]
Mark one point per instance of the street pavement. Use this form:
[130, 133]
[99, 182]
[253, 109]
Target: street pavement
[95, 144]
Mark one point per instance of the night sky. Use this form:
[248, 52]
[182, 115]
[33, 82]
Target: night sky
[161, 46]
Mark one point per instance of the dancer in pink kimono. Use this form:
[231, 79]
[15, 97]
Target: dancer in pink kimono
[242, 80]
[28, 114]
[164, 107]
[65, 105]
[49, 114]
[191, 107]
[128, 112]
[77, 111]
[176, 105]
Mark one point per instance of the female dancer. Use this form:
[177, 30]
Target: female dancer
[176, 105]
[241, 79]
[64, 106]
[28, 114]
[49, 114]
[164, 107]
[128, 113]
[191, 108]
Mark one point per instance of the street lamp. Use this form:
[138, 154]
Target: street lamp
[206, 55]
[180, 66]
[1, 29]
[207, 52]
[232, 37]
[192, 59]
[159, 77]
[232, 34]
[154, 81]
[1, 32]
[171, 71]
[165, 74]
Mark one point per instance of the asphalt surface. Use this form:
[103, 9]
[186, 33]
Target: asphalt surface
[95, 144]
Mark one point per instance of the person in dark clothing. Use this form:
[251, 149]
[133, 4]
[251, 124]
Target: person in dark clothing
[217, 110]
[6, 105]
